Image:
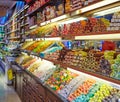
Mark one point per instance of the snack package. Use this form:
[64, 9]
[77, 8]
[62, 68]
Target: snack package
[60, 9]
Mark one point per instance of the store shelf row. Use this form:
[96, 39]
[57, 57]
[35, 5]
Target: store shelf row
[92, 7]
[51, 84]
[89, 72]
[17, 14]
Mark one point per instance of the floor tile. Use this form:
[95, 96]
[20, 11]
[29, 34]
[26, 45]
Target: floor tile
[7, 93]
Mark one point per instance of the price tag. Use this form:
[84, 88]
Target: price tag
[68, 38]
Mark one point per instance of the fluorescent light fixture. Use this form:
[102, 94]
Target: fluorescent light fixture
[59, 18]
[54, 20]
[32, 27]
[42, 24]
[28, 39]
[73, 20]
[97, 5]
[115, 36]
[54, 38]
[76, 12]
[108, 11]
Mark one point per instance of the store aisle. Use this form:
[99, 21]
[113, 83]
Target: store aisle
[7, 93]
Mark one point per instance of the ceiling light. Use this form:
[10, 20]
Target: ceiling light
[54, 38]
[54, 20]
[97, 5]
[108, 11]
[99, 37]
[59, 18]
[73, 20]
[34, 26]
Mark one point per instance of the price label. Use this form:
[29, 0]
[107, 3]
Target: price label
[68, 38]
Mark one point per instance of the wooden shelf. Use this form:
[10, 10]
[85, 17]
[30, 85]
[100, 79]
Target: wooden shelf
[96, 5]
[17, 37]
[24, 24]
[111, 35]
[98, 75]
[22, 17]
[12, 31]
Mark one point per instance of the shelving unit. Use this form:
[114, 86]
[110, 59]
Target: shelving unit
[86, 36]
[18, 24]
[25, 28]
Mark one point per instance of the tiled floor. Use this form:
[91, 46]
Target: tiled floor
[7, 94]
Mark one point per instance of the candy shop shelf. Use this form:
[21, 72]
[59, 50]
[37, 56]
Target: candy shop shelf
[85, 71]
[38, 80]
[21, 68]
[91, 7]
[98, 75]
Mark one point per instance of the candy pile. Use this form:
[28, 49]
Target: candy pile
[88, 26]
[102, 93]
[87, 97]
[76, 28]
[20, 59]
[70, 88]
[33, 46]
[83, 89]
[47, 30]
[74, 57]
[53, 56]
[44, 70]
[50, 50]
[26, 59]
[115, 22]
[43, 46]
[60, 78]
[116, 68]
[56, 47]
[105, 67]
[27, 64]
[114, 96]
[26, 44]
[109, 55]
[34, 66]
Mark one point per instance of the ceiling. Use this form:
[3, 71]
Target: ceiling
[5, 5]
